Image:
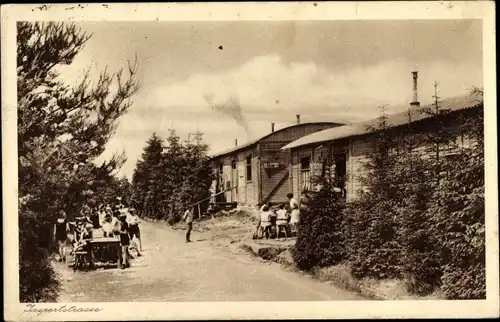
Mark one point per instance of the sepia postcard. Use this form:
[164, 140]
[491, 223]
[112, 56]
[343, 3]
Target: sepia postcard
[271, 160]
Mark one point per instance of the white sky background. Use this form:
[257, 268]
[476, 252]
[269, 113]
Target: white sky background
[323, 70]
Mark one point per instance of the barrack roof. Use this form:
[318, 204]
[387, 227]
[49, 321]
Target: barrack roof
[455, 103]
[252, 142]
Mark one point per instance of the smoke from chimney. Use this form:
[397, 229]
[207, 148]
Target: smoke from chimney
[415, 101]
[272, 127]
[298, 118]
[230, 107]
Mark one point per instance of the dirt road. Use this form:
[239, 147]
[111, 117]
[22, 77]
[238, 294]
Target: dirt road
[172, 270]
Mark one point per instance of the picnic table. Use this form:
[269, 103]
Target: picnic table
[106, 249]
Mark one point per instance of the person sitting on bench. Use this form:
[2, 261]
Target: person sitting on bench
[282, 221]
[83, 245]
[265, 221]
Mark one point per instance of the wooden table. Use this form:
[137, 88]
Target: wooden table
[106, 249]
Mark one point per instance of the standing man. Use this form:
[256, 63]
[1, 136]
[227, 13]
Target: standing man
[188, 218]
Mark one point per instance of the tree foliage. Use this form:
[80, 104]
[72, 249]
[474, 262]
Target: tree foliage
[62, 129]
[457, 215]
[170, 176]
[370, 228]
[420, 213]
[320, 241]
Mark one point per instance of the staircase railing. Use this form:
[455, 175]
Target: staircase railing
[197, 204]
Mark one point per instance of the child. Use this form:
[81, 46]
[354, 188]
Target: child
[107, 226]
[79, 228]
[282, 221]
[115, 222]
[124, 241]
[61, 230]
[134, 221]
[83, 244]
[265, 220]
[272, 219]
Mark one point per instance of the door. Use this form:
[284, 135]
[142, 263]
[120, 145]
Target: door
[241, 183]
[234, 182]
[340, 161]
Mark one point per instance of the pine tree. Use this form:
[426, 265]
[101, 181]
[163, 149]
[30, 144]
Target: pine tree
[456, 215]
[147, 176]
[370, 220]
[171, 176]
[421, 264]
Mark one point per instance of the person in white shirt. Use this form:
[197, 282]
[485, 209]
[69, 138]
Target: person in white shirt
[115, 222]
[107, 226]
[265, 221]
[134, 231]
[282, 221]
[295, 212]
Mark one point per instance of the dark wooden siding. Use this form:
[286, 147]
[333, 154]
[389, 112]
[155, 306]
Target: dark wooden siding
[265, 180]
[271, 177]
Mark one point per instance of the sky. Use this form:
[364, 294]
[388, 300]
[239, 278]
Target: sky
[339, 71]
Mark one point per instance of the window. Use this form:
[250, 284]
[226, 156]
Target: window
[305, 173]
[221, 177]
[233, 164]
[249, 168]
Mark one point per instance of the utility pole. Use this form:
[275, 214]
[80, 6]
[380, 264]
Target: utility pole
[197, 136]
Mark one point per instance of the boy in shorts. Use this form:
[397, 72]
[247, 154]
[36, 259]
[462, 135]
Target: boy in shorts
[61, 230]
[134, 231]
[124, 241]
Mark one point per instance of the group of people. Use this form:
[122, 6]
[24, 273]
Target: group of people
[114, 222]
[284, 218]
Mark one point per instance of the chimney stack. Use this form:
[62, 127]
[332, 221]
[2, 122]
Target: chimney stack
[415, 101]
[298, 118]
[272, 127]
[235, 142]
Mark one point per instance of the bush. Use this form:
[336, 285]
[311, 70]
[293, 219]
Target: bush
[319, 239]
[371, 241]
[421, 261]
[174, 219]
[38, 281]
[458, 220]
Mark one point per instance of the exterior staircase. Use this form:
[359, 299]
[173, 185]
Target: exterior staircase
[276, 188]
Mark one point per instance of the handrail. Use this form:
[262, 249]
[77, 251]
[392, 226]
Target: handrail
[203, 200]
